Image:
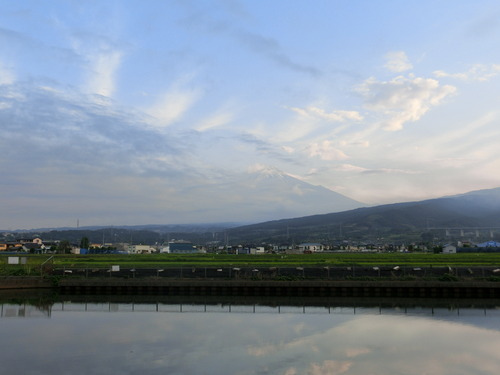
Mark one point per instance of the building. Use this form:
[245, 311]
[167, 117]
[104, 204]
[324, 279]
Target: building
[489, 244]
[310, 247]
[140, 249]
[182, 247]
[449, 249]
[33, 247]
[485, 247]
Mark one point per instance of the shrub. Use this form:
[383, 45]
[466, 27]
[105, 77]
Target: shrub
[448, 277]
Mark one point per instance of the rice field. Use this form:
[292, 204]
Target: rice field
[265, 260]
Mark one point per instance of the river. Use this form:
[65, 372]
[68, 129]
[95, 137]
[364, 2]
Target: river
[144, 336]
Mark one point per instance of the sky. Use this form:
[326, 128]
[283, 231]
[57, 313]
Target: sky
[122, 112]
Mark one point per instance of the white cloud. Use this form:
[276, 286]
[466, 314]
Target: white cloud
[478, 72]
[397, 61]
[289, 131]
[218, 119]
[329, 367]
[356, 351]
[6, 75]
[336, 116]
[102, 72]
[103, 59]
[264, 170]
[326, 151]
[173, 104]
[357, 143]
[403, 99]
[350, 168]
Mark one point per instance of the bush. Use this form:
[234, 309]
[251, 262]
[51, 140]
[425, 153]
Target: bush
[448, 277]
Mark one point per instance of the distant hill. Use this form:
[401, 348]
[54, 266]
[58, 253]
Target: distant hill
[473, 214]
[239, 198]
[477, 209]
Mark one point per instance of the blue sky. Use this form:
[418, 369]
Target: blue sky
[114, 111]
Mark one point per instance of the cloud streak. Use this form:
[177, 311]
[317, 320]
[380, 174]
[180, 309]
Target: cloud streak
[272, 50]
[397, 62]
[174, 103]
[478, 72]
[403, 99]
[335, 116]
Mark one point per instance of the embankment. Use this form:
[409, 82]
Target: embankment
[272, 288]
[21, 282]
[302, 288]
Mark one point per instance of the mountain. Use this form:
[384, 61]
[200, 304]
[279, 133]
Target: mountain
[269, 194]
[259, 195]
[476, 214]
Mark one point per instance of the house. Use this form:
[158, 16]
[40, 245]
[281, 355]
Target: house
[30, 240]
[140, 249]
[11, 246]
[449, 249]
[257, 250]
[182, 247]
[32, 247]
[310, 247]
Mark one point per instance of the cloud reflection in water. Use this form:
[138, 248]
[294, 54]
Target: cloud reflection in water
[246, 344]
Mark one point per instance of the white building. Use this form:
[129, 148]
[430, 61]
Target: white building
[140, 249]
[311, 247]
[449, 249]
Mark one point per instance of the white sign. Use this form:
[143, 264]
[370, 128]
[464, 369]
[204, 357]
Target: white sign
[13, 260]
[115, 268]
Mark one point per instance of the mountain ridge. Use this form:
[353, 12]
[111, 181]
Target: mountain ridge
[466, 213]
[475, 209]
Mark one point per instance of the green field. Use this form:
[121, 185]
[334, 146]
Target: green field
[33, 262]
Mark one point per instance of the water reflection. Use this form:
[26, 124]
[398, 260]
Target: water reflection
[232, 337]
[25, 310]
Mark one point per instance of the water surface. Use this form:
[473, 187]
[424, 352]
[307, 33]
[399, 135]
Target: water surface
[102, 337]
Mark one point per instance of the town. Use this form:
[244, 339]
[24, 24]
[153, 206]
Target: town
[9, 243]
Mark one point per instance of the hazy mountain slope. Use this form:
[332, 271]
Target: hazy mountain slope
[477, 209]
[474, 209]
[265, 194]
[269, 194]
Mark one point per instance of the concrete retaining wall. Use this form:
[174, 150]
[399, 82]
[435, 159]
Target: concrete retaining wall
[390, 289]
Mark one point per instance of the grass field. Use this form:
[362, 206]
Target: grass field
[33, 262]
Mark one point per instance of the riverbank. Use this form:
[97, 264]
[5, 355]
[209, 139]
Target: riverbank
[302, 288]
[253, 288]
[25, 282]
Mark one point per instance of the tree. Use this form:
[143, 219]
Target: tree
[84, 243]
[64, 247]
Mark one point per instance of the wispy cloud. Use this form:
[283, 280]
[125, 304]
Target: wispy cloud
[334, 116]
[7, 76]
[215, 120]
[403, 99]
[258, 43]
[329, 367]
[103, 57]
[263, 147]
[175, 102]
[397, 62]
[325, 150]
[478, 72]
[271, 49]
[102, 71]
